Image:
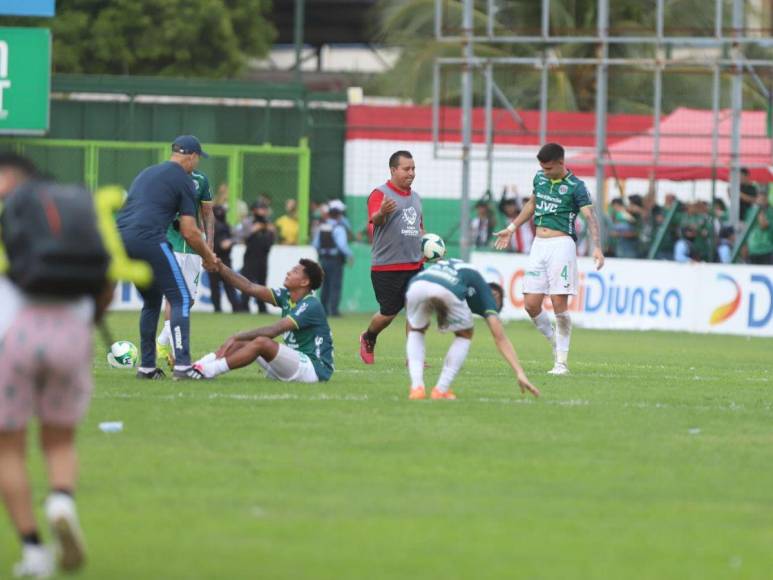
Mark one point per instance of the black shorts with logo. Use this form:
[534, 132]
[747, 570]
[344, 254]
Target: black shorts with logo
[390, 288]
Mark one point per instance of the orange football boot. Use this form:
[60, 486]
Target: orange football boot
[417, 394]
[438, 394]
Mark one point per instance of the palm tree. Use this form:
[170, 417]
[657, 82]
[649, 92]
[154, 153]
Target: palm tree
[410, 24]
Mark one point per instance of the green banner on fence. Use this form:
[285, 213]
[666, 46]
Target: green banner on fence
[25, 80]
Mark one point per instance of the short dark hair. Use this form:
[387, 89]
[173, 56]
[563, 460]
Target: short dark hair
[550, 152]
[22, 164]
[394, 159]
[313, 272]
[497, 288]
[745, 170]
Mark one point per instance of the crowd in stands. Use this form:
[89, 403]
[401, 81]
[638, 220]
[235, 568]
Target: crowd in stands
[695, 231]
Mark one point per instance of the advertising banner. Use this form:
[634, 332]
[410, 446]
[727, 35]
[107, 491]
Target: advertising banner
[651, 295]
[25, 80]
[27, 7]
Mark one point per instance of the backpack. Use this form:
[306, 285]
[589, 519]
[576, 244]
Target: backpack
[52, 240]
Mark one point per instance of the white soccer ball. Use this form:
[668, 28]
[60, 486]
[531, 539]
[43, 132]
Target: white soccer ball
[123, 355]
[433, 247]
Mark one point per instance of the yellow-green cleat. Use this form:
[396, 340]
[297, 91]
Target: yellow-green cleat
[164, 351]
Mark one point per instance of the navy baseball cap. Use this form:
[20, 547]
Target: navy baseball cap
[187, 144]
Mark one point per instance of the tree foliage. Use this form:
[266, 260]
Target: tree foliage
[410, 25]
[211, 38]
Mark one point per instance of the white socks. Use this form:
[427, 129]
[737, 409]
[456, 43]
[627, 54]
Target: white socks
[563, 336]
[542, 322]
[414, 350]
[165, 338]
[212, 368]
[455, 357]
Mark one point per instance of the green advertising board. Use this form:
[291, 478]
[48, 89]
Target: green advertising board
[25, 80]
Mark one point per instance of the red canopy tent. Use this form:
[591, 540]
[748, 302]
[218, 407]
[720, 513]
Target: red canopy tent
[686, 149]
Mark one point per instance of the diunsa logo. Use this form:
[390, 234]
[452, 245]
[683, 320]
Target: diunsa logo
[410, 215]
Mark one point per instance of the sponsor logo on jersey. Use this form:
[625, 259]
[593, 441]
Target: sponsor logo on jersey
[410, 215]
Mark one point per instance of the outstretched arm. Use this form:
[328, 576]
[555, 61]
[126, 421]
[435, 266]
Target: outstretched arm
[503, 236]
[508, 353]
[593, 226]
[245, 286]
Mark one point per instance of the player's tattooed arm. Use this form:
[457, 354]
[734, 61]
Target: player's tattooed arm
[208, 218]
[593, 226]
[245, 286]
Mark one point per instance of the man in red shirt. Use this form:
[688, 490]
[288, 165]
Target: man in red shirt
[396, 225]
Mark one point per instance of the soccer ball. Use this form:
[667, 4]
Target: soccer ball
[123, 355]
[433, 247]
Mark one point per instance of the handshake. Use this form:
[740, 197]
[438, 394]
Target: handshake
[211, 263]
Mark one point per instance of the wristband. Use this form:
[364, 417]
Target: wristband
[511, 227]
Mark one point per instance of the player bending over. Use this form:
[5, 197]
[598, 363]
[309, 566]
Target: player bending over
[454, 291]
[557, 199]
[307, 354]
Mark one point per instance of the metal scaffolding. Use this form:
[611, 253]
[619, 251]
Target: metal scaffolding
[729, 56]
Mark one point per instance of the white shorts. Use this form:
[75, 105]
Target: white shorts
[190, 264]
[289, 366]
[419, 307]
[552, 267]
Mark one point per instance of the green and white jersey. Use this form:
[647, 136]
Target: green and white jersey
[312, 335]
[558, 201]
[464, 281]
[203, 195]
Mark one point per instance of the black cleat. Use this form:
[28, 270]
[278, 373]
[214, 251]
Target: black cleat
[153, 375]
[189, 374]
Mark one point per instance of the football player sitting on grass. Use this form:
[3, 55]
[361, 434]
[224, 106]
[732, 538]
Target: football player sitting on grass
[307, 353]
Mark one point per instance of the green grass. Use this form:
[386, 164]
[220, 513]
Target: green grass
[654, 459]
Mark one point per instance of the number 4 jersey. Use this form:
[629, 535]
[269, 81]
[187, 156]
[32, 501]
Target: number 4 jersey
[558, 201]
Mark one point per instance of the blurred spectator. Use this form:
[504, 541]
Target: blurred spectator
[719, 215]
[331, 242]
[725, 244]
[221, 197]
[341, 206]
[659, 214]
[697, 216]
[287, 225]
[319, 215]
[760, 242]
[684, 249]
[223, 244]
[259, 238]
[509, 209]
[623, 233]
[482, 225]
[749, 192]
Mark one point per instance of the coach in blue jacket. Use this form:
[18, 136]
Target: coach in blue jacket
[157, 196]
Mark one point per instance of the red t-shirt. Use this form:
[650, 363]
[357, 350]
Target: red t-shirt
[374, 203]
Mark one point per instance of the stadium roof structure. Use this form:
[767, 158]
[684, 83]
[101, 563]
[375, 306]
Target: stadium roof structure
[686, 149]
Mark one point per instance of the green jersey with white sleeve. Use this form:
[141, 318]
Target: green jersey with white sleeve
[203, 195]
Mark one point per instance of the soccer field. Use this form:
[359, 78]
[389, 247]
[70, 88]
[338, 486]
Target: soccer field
[654, 459]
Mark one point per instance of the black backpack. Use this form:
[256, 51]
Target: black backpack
[52, 240]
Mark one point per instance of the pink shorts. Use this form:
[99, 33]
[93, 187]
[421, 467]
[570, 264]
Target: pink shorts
[45, 367]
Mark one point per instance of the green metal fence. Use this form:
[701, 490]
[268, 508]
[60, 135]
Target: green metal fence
[279, 173]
